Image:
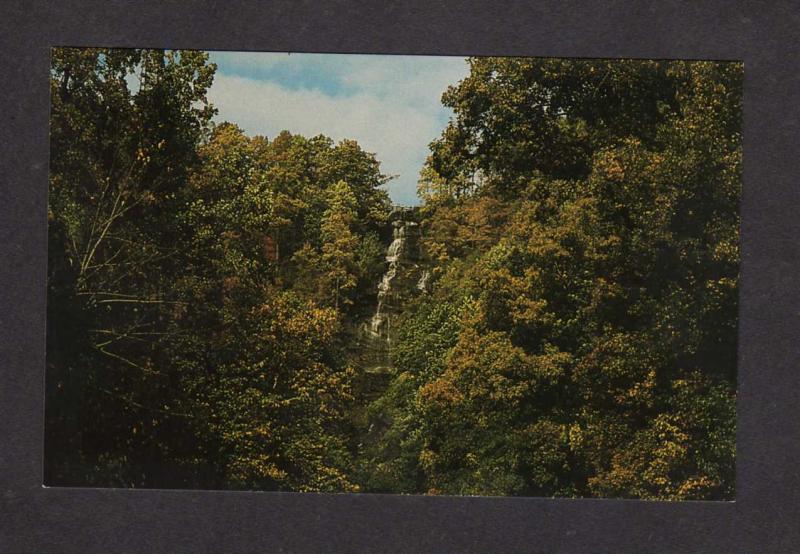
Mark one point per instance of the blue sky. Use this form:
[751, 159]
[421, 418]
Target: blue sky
[389, 104]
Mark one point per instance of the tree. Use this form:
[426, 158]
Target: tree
[119, 160]
[172, 315]
[587, 212]
[340, 243]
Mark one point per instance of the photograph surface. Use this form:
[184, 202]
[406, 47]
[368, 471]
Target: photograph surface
[492, 276]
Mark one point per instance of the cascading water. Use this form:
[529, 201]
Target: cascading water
[379, 325]
[402, 279]
[423, 283]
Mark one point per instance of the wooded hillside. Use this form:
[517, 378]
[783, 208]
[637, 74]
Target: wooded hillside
[575, 335]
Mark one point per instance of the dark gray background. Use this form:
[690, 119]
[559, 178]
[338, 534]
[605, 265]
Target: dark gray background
[766, 514]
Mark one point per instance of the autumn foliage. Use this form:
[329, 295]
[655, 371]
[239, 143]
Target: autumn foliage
[580, 221]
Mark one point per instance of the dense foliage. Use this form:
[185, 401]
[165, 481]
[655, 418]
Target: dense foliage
[583, 217]
[198, 284]
[580, 221]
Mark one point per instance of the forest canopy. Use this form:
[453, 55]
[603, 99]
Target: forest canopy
[557, 318]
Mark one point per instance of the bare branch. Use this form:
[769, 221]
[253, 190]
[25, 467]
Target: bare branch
[142, 406]
[128, 362]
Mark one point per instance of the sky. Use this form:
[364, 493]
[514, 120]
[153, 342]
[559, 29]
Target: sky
[391, 105]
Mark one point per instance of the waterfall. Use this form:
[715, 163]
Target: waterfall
[395, 255]
[422, 284]
[396, 247]
[402, 279]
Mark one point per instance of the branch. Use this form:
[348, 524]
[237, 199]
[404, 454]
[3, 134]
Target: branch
[138, 301]
[90, 250]
[127, 361]
[142, 406]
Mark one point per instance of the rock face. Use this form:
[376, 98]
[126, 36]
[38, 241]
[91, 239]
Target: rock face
[404, 278]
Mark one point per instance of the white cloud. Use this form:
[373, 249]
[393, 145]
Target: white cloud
[389, 104]
[414, 80]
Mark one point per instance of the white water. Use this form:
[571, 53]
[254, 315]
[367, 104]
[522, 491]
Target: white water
[422, 284]
[380, 322]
